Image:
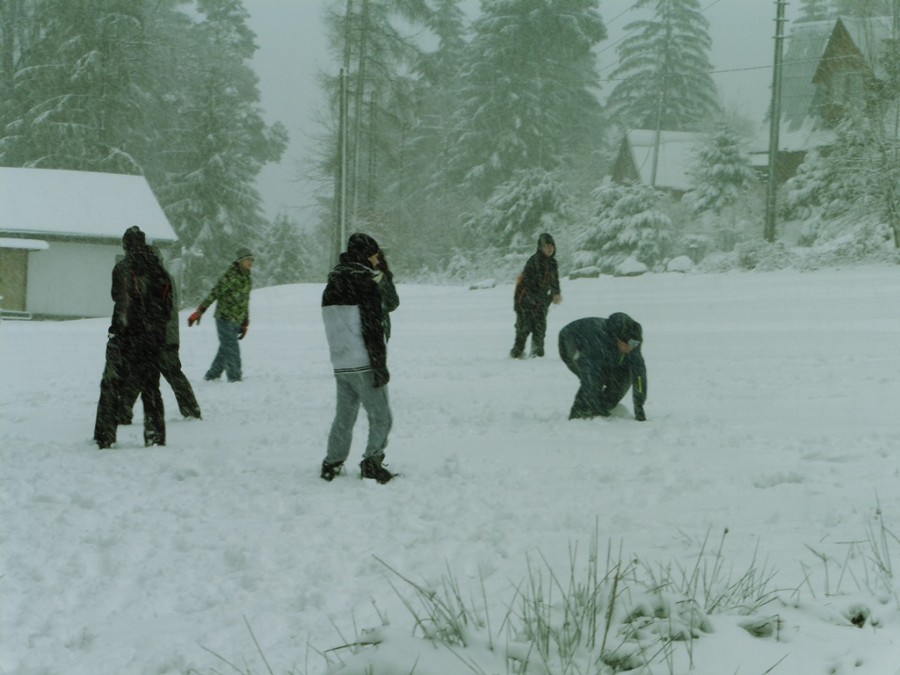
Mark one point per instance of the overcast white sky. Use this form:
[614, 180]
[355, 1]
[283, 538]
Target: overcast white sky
[292, 51]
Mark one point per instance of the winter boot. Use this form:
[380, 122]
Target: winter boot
[329, 471]
[371, 468]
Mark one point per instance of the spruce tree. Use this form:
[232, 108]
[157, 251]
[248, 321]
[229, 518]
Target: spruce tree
[528, 98]
[814, 10]
[209, 193]
[722, 173]
[74, 84]
[626, 223]
[664, 69]
[531, 202]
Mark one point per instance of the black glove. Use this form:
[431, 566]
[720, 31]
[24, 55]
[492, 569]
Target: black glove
[381, 376]
[244, 328]
[383, 266]
[639, 413]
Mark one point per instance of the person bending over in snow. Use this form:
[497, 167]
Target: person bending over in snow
[353, 314]
[605, 355]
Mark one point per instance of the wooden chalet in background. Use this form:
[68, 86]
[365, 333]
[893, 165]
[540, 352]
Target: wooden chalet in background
[830, 69]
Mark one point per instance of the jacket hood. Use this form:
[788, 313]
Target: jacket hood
[361, 245]
[133, 239]
[546, 238]
[623, 327]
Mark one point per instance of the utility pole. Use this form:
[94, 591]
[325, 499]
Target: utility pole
[340, 188]
[774, 123]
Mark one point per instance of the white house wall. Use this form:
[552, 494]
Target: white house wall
[71, 279]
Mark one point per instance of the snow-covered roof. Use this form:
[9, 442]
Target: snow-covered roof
[24, 244]
[79, 204]
[676, 156]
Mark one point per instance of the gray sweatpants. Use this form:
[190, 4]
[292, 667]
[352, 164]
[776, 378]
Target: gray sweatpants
[354, 389]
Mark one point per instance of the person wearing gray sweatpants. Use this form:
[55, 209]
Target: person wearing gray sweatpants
[353, 314]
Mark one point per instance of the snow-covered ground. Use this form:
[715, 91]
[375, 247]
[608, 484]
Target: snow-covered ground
[774, 414]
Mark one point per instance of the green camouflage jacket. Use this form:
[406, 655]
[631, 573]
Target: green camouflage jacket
[233, 295]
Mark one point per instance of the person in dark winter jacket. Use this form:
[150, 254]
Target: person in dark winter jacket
[142, 297]
[389, 298]
[605, 354]
[353, 313]
[232, 293]
[536, 288]
[169, 366]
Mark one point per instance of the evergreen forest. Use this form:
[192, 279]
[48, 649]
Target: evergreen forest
[453, 139]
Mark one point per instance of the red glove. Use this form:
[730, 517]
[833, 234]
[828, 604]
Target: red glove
[195, 317]
[244, 327]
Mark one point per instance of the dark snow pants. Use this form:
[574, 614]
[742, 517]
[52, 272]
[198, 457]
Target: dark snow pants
[600, 391]
[130, 365]
[169, 368]
[531, 321]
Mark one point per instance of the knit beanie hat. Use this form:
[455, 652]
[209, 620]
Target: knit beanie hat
[243, 254]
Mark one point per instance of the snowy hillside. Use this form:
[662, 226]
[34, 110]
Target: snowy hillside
[768, 475]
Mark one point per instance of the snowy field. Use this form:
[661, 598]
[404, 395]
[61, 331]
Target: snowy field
[774, 414]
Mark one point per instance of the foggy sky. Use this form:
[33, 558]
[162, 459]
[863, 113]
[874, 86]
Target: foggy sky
[293, 49]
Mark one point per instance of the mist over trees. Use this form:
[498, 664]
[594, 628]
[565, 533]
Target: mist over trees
[465, 144]
[664, 69]
[464, 136]
[159, 88]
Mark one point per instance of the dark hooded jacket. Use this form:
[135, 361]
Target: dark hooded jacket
[142, 294]
[352, 310]
[590, 343]
[539, 281]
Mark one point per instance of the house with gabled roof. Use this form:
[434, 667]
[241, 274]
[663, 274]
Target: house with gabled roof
[61, 234]
[673, 159]
[830, 68]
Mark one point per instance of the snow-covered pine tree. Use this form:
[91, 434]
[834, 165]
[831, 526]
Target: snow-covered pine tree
[209, 193]
[74, 82]
[289, 256]
[664, 69]
[721, 173]
[140, 87]
[856, 181]
[814, 10]
[626, 224]
[531, 202]
[529, 83]
[413, 203]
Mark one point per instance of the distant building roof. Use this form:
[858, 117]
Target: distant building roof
[805, 47]
[807, 52]
[79, 204]
[676, 156]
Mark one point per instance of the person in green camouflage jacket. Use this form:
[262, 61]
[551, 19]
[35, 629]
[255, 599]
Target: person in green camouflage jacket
[232, 295]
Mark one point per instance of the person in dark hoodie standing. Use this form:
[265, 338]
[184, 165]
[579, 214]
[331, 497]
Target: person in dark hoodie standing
[232, 293]
[605, 355]
[142, 297]
[169, 366]
[536, 288]
[353, 314]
